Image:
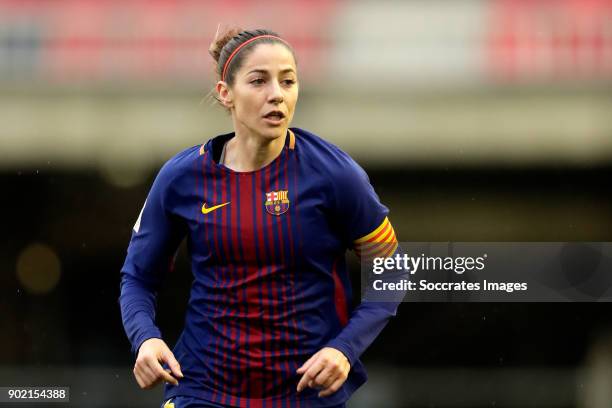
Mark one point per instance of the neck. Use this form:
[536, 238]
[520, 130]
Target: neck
[249, 152]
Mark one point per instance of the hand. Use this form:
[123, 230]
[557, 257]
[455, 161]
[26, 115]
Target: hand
[148, 370]
[326, 369]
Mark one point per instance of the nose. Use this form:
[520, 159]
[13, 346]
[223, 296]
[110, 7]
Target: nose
[276, 93]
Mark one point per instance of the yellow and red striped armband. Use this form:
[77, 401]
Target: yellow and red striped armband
[379, 243]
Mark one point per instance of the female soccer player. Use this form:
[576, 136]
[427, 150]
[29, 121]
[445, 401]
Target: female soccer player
[269, 212]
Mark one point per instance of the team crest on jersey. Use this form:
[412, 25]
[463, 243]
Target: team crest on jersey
[277, 202]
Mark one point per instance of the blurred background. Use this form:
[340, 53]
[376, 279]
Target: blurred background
[476, 121]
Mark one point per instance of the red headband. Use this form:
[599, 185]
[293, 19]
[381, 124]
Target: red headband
[242, 45]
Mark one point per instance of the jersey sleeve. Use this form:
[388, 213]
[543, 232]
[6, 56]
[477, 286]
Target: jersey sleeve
[362, 217]
[370, 234]
[153, 244]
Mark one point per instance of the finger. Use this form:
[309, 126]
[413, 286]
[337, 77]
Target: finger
[144, 382]
[174, 365]
[325, 378]
[170, 373]
[139, 379]
[142, 378]
[307, 364]
[332, 388]
[164, 375]
[146, 375]
[149, 375]
[306, 378]
[310, 374]
[302, 383]
[154, 383]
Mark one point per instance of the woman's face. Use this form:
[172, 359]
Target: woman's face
[266, 82]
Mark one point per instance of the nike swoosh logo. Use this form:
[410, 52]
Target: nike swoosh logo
[210, 209]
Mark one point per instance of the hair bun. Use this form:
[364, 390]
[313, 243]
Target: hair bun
[222, 38]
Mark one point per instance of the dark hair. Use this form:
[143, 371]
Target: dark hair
[225, 43]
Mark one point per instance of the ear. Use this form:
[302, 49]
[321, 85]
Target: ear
[225, 94]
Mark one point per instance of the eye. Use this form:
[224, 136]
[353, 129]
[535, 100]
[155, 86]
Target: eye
[257, 81]
[289, 82]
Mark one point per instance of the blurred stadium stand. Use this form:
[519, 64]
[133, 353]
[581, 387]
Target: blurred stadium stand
[476, 121]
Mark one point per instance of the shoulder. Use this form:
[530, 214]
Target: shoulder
[181, 162]
[177, 167]
[326, 156]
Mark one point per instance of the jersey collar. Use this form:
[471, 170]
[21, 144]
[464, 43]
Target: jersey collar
[219, 141]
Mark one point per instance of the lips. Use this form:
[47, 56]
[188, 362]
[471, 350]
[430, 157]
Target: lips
[274, 115]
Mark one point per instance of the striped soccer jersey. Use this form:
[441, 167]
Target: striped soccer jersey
[271, 286]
